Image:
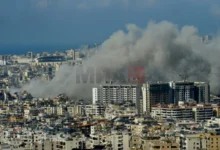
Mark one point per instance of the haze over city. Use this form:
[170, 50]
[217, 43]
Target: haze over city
[60, 24]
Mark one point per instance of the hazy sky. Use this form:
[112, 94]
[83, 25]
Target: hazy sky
[61, 22]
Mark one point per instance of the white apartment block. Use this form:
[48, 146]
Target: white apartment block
[115, 93]
[96, 95]
[120, 140]
[97, 139]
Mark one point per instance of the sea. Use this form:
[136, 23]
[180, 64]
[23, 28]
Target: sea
[23, 49]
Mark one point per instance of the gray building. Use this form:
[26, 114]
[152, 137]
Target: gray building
[182, 91]
[202, 92]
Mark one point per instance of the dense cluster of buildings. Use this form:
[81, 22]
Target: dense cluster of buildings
[175, 115]
[61, 124]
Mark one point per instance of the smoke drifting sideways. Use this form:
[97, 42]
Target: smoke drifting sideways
[162, 48]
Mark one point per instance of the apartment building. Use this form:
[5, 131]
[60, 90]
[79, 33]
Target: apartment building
[76, 110]
[202, 112]
[94, 109]
[120, 140]
[115, 93]
[214, 142]
[190, 142]
[172, 112]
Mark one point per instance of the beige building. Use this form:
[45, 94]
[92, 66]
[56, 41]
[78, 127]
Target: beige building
[147, 140]
[137, 128]
[75, 110]
[214, 142]
[60, 110]
[216, 110]
[163, 145]
[135, 142]
[152, 143]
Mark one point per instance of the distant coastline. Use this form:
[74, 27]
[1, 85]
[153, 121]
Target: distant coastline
[22, 49]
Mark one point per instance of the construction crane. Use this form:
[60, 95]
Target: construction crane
[184, 76]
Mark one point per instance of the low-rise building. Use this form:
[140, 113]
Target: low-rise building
[163, 145]
[94, 110]
[172, 112]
